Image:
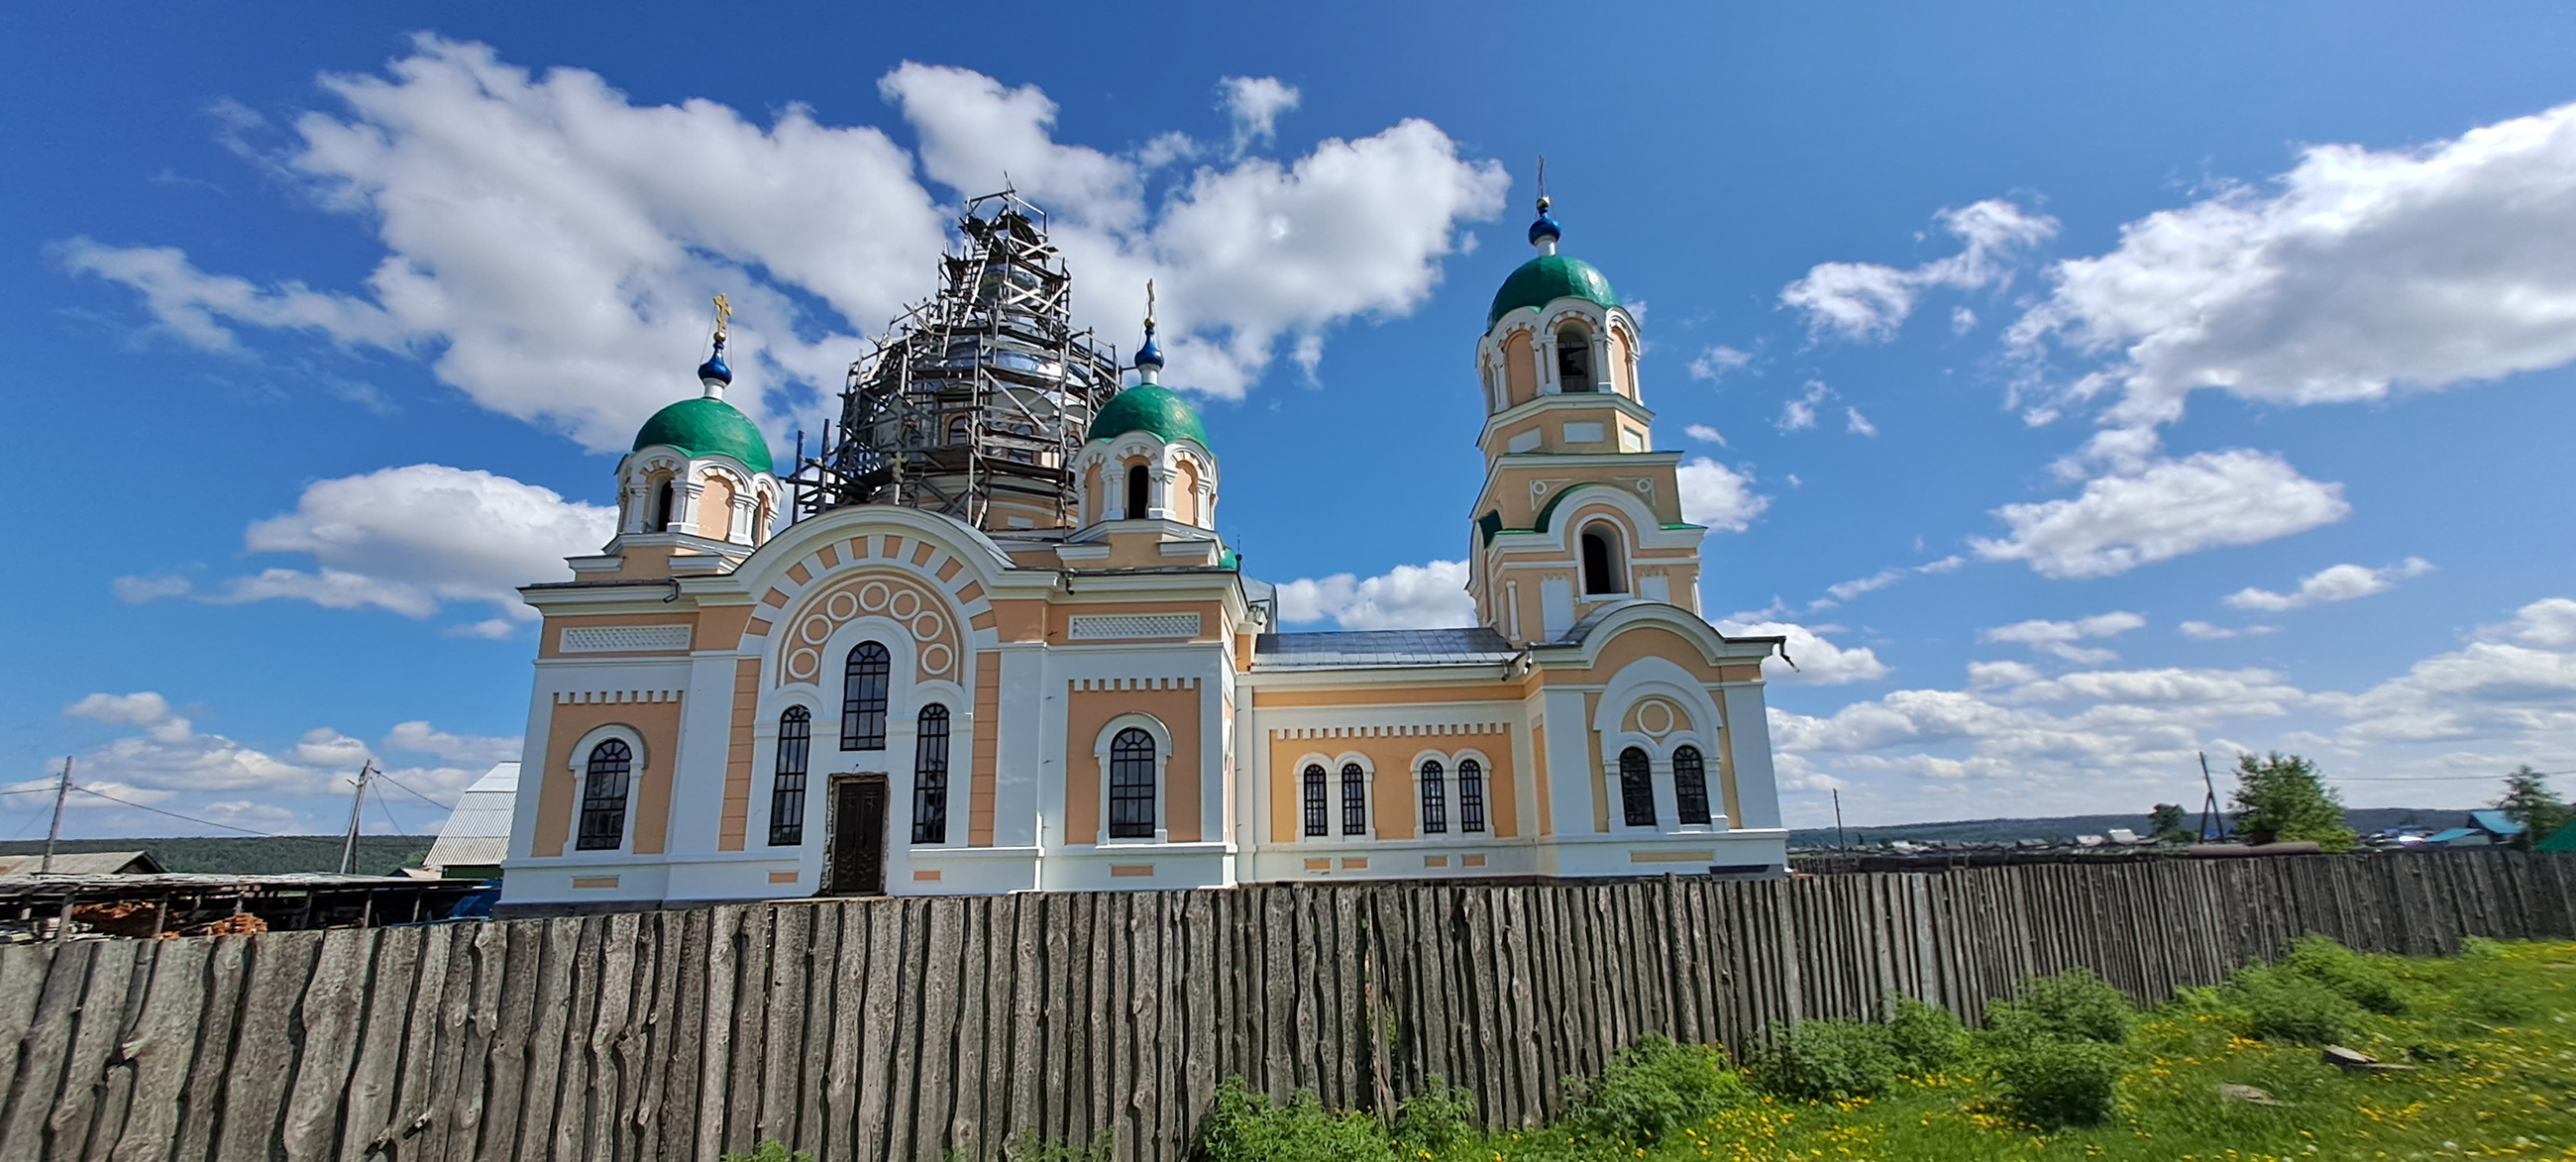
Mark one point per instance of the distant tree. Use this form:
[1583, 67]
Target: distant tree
[2529, 801]
[2165, 823]
[2282, 799]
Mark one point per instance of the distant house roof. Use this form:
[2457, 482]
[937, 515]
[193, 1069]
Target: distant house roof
[2456, 834]
[1355, 649]
[477, 833]
[2563, 839]
[83, 863]
[2495, 823]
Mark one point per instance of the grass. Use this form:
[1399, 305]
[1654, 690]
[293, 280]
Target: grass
[2493, 1032]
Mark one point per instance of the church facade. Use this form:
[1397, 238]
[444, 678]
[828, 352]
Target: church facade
[880, 698]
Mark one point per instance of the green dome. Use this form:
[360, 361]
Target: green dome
[1149, 407]
[707, 427]
[1547, 278]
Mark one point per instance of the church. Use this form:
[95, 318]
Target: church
[989, 639]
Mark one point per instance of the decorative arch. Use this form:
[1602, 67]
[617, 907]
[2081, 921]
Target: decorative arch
[926, 615]
[1602, 547]
[608, 767]
[1136, 748]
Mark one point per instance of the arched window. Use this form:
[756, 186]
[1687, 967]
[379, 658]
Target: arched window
[960, 431]
[1139, 492]
[1471, 796]
[1435, 799]
[1690, 785]
[1131, 785]
[760, 524]
[1573, 359]
[603, 797]
[787, 787]
[665, 499]
[930, 776]
[1636, 789]
[863, 697]
[1354, 800]
[1318, 815]
[1601, 571]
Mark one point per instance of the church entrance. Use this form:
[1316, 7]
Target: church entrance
[858, 837]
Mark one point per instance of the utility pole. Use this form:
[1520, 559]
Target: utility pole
[2209, 803]
[1841, 842]
[349, 850]
[62, 791]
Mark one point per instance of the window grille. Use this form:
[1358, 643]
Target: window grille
[617, 639]
[787, 788]
[1318, 816]
[863, 697]
[1471, 796]
[1435, 799]
[1354, 800]
[930, 776]
[603, 797]
[1636, 788]
[1131, 785]
[1690, 785]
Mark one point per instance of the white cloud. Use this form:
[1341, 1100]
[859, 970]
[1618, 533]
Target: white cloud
[2357, 274]
[1988, 675]
[1715, 362]
[2058, 638]
[1866, 302]
[1255, 104]
[1800, 413]
[549, 246]
[1428, 596]
[2338, 583]
[1962, 320]
[2204, 631]
[1813, 660]
[2164, 510]
[1705, 434]
[420, 737]
[1718, 497]
[1842, 591]
[143, 708]
[1858, 424]
[2513, 681]
[144, 590]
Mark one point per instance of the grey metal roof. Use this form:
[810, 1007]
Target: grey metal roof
[81, 863]
[1357, 649]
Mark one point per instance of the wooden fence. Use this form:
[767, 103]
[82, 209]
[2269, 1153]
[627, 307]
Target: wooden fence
[903, 1028]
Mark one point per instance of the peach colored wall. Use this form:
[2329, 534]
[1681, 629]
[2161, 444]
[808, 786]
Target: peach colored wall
[1617, 373]
[1086, 713]
[1546, 808]
[1185, 494]
[649, 790]
[1394, 810]
[1520, 369]
[736, 819]
[988, 728]
[715, 510]
[1376, 696]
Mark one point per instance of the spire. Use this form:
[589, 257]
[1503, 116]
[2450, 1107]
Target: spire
[713, 373]
[1149, 358]
[1544, 232]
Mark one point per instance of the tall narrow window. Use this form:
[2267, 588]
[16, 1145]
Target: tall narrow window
[787, 787]
[1435, 799]
[1601, 562]
[1354, 800]
[1139, 492]
[1636, 789]
[1471, 796]
[930, 776]
[662, 506]
[1131, 785]
[1690, 785]
[1573, 359]
[603, 797]
[863, 697]
[1318, 811]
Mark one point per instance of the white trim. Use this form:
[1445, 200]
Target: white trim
[635, 772]
[1162, 736]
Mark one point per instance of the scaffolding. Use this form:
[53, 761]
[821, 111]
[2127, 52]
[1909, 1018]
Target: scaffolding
[976, 400]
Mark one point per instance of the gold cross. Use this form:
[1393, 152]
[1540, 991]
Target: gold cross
[724, 311]
[1149, 302]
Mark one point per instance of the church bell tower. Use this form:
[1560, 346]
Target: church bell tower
[1578, 510]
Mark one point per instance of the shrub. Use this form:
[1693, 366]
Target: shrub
[1653, 1088]
[2367, 981]
[2060, 1082]
[2282, 1005]
[1824, 1060]
[1925, 1038]
[1244, 1126]
[770, 1150]
[2071, 1006]
[1439, 1117]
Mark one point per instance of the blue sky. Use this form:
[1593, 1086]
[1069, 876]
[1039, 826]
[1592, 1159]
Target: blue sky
[2080, 388]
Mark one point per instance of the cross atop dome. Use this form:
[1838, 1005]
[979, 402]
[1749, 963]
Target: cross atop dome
[1149, 358]
[713, 373]
[1544, 232]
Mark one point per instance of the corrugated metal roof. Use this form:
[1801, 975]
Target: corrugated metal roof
[80, 863]
[2494, 821]
[1361, 649]
[477, 832]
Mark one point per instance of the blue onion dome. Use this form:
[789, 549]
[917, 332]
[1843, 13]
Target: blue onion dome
[1151, 354]
[1545, 229]
[713, 372]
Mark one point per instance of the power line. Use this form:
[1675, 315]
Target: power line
[414, 794]
[174, 814]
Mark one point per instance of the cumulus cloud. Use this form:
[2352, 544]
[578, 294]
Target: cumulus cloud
[2165, 509]
[419, 737]
[143, 708]
[2338, 583]
[2514, 680]
[1798, 413]
[2205, 631]
[1813, 660]
[1705, 434]
[2358, 274]
[1717, 496]
[2058, 638]
[1255, 103]
[1858, 424]
[1866, 302]
[1714, 363]
[547, 251]
[1428, 596]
